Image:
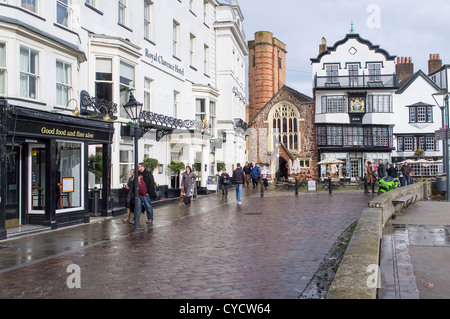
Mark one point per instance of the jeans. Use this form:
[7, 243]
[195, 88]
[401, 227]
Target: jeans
[238, 192]
[148, 207]
[407, 180]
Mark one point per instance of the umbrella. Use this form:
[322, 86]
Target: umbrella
[330, 160]
[407, 161]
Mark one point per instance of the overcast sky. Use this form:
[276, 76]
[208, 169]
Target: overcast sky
[409, 28]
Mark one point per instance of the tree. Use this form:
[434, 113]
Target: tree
[151, 164]
[95, 165]
[176, 167]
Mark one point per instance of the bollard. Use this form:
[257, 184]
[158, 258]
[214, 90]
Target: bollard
[96, 192]
[296, 187]
[262, 189]
[330, 186]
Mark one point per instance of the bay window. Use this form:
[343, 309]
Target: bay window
[29, 73]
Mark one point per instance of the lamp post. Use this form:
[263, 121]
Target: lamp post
[134, 112]
[444, 106]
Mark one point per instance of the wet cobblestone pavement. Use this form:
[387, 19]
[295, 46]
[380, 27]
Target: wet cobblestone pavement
[269, 247]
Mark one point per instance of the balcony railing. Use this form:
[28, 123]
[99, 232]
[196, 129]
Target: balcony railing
[356, 82]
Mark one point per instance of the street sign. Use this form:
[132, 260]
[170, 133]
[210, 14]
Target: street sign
[440, 134]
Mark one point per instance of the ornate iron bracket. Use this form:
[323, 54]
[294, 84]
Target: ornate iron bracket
[93, 106]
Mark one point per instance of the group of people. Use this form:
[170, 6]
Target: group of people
[242, 176]
[146, 188]
[373, 174]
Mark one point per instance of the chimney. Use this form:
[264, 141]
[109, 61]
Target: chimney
[404, 68]
[323, 46]
[435, 63]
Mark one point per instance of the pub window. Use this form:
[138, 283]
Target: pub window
[332, 73]
[123, 12]
[63, 12]
[379, 104]
[2, 69]
[334, 104]
[29, 73]
[103, 79]
[205, 12]
[92, 3]
[374, 72]
[68, 156]
[399, 143]
[408, 143]
[192, 50]
[212, 117]
[126, 162]
[431, 144]
[127, 83]
[148, 7]
[176, 97]
[334, 135]
[421, 114]
[200, 110]
[30, 5]
[63, 83]
[206, 59]
[147, 94]
[176, 41]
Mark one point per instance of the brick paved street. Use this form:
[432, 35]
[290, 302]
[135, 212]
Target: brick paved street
[267, 248]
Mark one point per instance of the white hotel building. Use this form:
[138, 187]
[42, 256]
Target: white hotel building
[183, 59]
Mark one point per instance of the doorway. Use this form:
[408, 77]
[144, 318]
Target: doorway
[12, 187]
[283, 171]
[37, 177]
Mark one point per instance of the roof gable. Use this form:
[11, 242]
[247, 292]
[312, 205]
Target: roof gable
[299, 97]
[403, 85]
[357, 37]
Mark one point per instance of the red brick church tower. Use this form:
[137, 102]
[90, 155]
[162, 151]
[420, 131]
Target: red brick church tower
[282, 120]
[267, 70]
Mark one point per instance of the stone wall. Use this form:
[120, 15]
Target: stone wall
[357, 274]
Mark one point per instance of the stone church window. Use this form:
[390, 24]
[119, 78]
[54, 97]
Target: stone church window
[284, 128]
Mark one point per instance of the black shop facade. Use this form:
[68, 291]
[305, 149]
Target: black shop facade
[44, 167]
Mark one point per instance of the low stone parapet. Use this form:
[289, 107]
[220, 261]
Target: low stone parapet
[358, 274]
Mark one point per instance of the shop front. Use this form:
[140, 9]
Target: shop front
[44, 178]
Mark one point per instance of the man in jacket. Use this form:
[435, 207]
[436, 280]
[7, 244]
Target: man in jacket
[247, 171]
[254, 175]
[406, 171]
[238, 180]
[151, 193]
[381, 170]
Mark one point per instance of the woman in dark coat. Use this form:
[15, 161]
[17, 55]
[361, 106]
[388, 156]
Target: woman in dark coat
[187, 184]
[130, 197]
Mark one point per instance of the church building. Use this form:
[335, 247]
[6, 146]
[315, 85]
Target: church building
[283, 132]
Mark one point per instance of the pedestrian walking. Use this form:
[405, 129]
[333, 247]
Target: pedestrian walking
[130, 196]
[406, 172]
[264, 175]
[247, 170]
[254, 175]
[142, 193]
[224, 183]
[238, 180]
[146, 199]
[187, 184]
[370, 177]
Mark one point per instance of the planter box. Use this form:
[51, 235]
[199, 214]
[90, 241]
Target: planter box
[173, 192]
